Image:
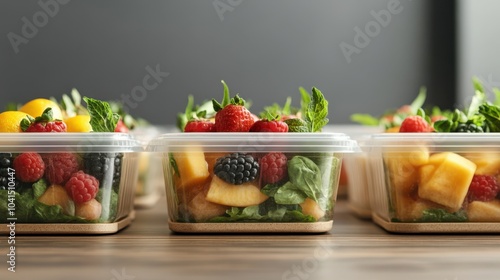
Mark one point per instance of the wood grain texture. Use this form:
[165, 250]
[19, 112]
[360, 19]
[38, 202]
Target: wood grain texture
[353, 249]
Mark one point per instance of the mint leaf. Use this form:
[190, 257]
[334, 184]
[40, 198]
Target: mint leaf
[102, 118]
[317, 111]
[478, 85]
[305, 100]
[440, 215]
[496, 92]
[297, 125]
[478, 99]
[39, 188]
[365, 119]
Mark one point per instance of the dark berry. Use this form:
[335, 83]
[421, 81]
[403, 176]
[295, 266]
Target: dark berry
[106, 167]
[471, 128]
[236, 168]
[6, 162]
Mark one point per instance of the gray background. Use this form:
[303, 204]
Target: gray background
[263, 49]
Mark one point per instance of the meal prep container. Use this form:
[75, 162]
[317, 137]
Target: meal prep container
[357, 178]
[150, 182]
[421, 182]
[202, 198]
[53, 200]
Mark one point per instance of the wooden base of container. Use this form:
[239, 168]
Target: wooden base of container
[360, 212]
[69, 228]
[445, 228]
[317, 227]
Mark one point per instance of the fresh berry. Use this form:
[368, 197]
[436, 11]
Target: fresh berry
[106, 167]
[415, 124]
[471, 128]
[483, 188]
[43, 123]
[236, 168]
[121, 127]
[233, 118]
[7, 177]
[60, 166]
[29, 167]
[273, 168]
[199, 126]
[82, 187]
[269, 126]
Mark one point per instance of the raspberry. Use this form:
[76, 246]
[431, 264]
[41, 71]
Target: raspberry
[43, 123]
[483, 188]
[121, 127]
[29, 167]
[415, 124]
[269, 126]
[82, 187]
[273, 168]
[60, 167]
[199, 126]
[236, 168]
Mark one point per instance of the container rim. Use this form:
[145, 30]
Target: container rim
[69, 142]
[434, 139]
[255, 142]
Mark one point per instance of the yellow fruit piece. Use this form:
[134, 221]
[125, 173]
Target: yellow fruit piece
[486, 163]
[403, 167]
[449, 182]
[409, 209]
[310, 207]
[193, 169]
[243, 195]
[201, 209]
[36, 107]
[10, 121]
[90, 210]
[78, 123]
[394, 129]
[57, 195]
[211, 158]
[479, 211]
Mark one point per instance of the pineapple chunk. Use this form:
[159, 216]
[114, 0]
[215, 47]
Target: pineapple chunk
[408, 209]
[243, 195]
[449, 182]
[310, 207]
[486, 163]
[57, 195]
[201, 209]
[193, 169]
[403, 167]
[479, 211]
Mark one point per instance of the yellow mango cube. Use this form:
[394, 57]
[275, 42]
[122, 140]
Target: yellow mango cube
[449, 182]
[486, 163]
[479, 211]
[192, 166]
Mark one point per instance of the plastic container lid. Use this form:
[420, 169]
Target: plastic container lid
[255, 142]
[460, 142]
[107, 142]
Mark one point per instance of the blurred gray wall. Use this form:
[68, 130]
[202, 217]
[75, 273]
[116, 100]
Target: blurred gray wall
[479, 43]
[263, 49]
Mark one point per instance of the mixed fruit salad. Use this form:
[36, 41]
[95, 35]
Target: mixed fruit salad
[447, 175]
[64, 185]
[265, 185]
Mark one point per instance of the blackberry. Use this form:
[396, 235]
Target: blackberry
[469, 127]
[105, 167]
[236, 168]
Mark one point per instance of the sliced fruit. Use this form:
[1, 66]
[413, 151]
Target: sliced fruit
[90, 210]
[449, 182]
[36, 107]
[486, 163]
[57, 195]
[211, 158]
[310, 207]
[201, 209]
[78, 123]
[243, 195]
[402, 174]
[193, 169]
[410, 209]
[479, 211]
[10, 121]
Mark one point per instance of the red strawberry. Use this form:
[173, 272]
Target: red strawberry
[43, 123]
[232, 116]
[415, 124]
[199, 126]
[265, 125]
[121, 127]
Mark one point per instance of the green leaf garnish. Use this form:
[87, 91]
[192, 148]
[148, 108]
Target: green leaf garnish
[419, 100]
[317, 111]
[365, 119]
[297, 125]
[492, 116]
[305, 100]
[102, 118]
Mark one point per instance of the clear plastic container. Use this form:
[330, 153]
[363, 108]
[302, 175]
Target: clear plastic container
[355, 185]
[227, 182]
[67, 182]
[423, 181]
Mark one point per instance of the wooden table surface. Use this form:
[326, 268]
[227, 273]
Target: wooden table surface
[354, 249]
